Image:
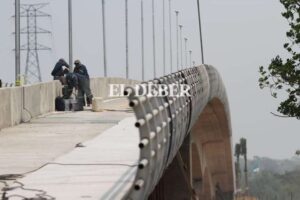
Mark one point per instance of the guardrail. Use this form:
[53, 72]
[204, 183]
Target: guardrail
[163, 123]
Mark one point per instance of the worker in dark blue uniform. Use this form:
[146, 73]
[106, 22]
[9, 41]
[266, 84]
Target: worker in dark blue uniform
[81, 69]
[60, 69]
[85, 82]
[78, 81]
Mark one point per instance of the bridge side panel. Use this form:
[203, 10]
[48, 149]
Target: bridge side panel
[19, 104]
[5, 108]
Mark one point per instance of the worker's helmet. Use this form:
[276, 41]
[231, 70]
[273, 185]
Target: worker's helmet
[77, 62]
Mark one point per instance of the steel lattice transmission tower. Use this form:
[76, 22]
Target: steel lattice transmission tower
[32, 12]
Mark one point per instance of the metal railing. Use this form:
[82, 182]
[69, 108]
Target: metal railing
[163, 123]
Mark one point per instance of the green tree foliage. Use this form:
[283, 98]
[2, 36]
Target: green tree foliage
[268, 185]
[284, 74]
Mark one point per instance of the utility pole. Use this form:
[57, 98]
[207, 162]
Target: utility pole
[200, 31]
[181, 50]
[153, 35]
[104, 38]
[243, 144]
[177, 46]
[17, 43]
[185, 51]
[164, 39]
[126, 25]
[70, 16]
[142, 33]
[31, 12]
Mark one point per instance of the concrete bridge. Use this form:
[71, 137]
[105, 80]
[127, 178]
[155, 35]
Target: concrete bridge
[136, 148]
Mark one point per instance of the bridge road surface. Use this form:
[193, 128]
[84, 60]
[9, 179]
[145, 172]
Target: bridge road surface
[102, 166]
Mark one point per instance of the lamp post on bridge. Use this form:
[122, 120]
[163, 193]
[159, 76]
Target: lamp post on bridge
[142, 38]
[180, 27]
[186, 51]
[126, 33]
[104, 38]
[170, 32]
[177, 43]
[17, 43]
[190, 57]
[200, 31]
[153, 38]
[164, 40]
[70, 34]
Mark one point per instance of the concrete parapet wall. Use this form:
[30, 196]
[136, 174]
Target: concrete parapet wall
[19, 104]
[5, 107]
[16, 95]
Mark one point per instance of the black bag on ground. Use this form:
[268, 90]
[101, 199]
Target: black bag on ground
[77, 105]
[59, 104]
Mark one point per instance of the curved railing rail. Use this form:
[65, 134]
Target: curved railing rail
[164, 122]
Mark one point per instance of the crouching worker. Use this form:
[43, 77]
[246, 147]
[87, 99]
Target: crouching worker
[81, 84]
[60, 69]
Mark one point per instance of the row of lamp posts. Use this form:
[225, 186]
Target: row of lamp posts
[179, 27]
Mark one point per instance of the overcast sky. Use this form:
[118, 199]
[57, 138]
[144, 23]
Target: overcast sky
[239, 36]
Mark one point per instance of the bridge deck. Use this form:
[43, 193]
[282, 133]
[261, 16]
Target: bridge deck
[107, 156]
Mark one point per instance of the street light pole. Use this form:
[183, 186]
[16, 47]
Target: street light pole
[153, 36]
[164, 39]
[185, 51]
[177, 46]
[200, 31]
[70, 34]
[126, 26]
[180, 27]
[104, 38]
[142, 33]
[191, 58]
[170, 26]
[17, 43]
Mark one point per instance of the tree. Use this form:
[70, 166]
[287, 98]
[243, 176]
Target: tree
[284, 74]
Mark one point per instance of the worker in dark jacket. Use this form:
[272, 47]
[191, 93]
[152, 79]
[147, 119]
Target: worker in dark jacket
[60, 69]
[79, 82]
[82, 70]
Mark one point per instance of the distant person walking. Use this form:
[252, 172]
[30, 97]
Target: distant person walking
[60, 69]
[84, 78]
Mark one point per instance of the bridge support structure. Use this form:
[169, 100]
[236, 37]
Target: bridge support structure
[185, 142]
